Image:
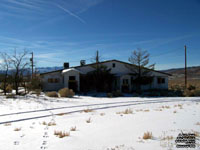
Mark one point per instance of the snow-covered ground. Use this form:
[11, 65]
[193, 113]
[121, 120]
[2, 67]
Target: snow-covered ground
[109, 127]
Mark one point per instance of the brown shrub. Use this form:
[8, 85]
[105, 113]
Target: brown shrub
[61, 134]
[147, 135]
[52, 94]
[198, 123]
[87, 110]
[127, 111]
[17, 129]
[65, 92]
[102, 114]
[9, 88]
[73, 128]
[7, 124]
[88, 120]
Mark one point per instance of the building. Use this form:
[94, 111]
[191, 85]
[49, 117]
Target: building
[70, 77]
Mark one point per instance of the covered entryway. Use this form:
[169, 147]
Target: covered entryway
[71, 79]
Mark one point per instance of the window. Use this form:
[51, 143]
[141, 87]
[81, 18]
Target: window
[160, 80]
[53, 80]
[163, 80]
[72, 78]
[132, 81]
[125, 81]
[113, 65]
[50, 80]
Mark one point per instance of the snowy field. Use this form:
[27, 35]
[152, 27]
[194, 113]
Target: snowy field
[30, 123]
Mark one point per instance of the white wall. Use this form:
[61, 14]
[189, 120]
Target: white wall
[72, 73]
[120, 69]
[52, 86]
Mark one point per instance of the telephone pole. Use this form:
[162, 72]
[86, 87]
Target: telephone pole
[31, 59]
[97, 57]
[185, 66]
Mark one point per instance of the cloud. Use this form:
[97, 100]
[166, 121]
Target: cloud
[71, 14]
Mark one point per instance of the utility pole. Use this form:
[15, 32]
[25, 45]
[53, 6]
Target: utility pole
[185, 66]
[97, 57]
[31, 59]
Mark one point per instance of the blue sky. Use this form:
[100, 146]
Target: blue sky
[60, 31]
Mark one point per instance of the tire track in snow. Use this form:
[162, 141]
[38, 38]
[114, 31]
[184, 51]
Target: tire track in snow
[77, 106]
[97, 108]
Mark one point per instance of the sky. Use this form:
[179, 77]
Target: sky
[59, 31]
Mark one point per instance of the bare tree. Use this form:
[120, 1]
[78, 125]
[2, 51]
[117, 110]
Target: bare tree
[140, 58]
[5, 65]
[19, 63]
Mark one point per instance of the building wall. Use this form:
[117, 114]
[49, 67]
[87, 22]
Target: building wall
[71, 73]
[120, 70]
[52, 86]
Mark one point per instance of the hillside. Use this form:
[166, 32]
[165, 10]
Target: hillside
[192, 72]
[178, 76]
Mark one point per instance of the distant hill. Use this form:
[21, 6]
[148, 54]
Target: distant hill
[39, 70]
[48, 69]
[192, 72]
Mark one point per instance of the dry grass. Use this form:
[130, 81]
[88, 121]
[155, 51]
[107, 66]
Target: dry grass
[52, 94]
[180, 106]
[147, 135]
[7, 124]
[61, 134]
[158, 109]
[87, 110]
[44, 123]
[167, 138]
[73, 128]
[146, 110]
[65, 92]
[181, 82]
[17, 129]
[198, 123]
[167, 107]
[61, 114]
[89, 120]
[139, 110]
[102, 114]
[49, 124]
[197, 134]
[127, 111]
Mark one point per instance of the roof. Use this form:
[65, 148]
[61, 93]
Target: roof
[70, 69]
[106, 62]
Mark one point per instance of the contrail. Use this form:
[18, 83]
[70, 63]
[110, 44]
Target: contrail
[72, 14]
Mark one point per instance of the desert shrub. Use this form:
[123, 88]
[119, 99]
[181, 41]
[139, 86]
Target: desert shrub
[11, 96]
[9, 88]
[34, 84]
[109, 95]
[17, 129]
[52, 94]
[127, 111]
[147, 135]
[73, 128]
[61, 134]
[87, 110]
[117, 93]
[88, 120]
[168, 93]
[191, 87]
[191, 93]
[37, 91]
[65, 92]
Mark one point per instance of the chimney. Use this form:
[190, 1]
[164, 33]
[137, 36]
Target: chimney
[66, 65]
[82, 62]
